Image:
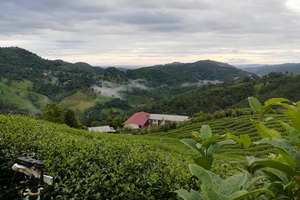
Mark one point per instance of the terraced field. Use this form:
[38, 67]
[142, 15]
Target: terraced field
[82, 101]
[234, 125]
[15, 94]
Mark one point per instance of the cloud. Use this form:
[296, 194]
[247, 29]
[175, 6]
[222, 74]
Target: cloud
[146, 32]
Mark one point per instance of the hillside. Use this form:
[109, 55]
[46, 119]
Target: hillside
[141, 167]
[104, 166]
[266, 69]
[177, 74]
[61, 82]
[212, 98]
[236, 126]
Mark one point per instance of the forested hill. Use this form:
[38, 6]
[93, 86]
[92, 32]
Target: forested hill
[19, 63]
[180, 73]
[212, 98]
[266, 69]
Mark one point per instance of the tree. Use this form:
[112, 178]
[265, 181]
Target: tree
[53, 113]
[71, 119]
[115, 122]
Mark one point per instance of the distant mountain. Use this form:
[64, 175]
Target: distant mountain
[176, 74]
[55, 79]
[266, 69]
[36, 81]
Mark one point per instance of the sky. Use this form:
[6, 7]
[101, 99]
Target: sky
[150, 32]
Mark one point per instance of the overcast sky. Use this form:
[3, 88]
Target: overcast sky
[148, 32]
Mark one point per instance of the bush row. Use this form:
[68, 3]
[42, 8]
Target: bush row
[90, 165]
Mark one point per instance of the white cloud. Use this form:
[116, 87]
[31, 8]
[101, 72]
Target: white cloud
[125, 32]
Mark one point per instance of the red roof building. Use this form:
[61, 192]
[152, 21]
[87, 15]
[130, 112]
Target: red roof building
[137, 120]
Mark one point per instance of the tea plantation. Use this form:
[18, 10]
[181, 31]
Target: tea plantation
[234, 125]
[111, 166]
[92, 165]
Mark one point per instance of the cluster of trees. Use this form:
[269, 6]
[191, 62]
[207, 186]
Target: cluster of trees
[178, 73]
[54, 113]
[109, 113]
[208, 99]
[161, 128]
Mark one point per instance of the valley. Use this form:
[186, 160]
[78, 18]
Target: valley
[151, 163]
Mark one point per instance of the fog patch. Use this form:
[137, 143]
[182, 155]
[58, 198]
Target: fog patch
[201, 82]
[116, 90]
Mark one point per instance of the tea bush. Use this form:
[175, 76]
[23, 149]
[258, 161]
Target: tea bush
[91, 165]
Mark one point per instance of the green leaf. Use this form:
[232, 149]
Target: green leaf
[246, 141]
[285, 148]
[287, 158]
[215, 147]
[266, 132]
[254, 103]
[278, 165]
[242, 194]
[205, 132]
[209, 188]
[278, 175]
[275, 100]
[193, 195]
[233, 184]
[195, 134]
[193, 145]
[204, 162]
[268, 119]
[235, 138]
[293, 134]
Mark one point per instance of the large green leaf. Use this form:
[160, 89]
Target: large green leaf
[292, 133]
[193, 195]
[242, 194]
[278, 165]
[205, 162]
[294, 113]
[215, 147]
[266, 132]
[232, 184]
[254, 103]
[246, 141]
[205, 132]
[235, 138]
[193, 145]
[275, 100]
[209, 188]
[276, 175]
[285, 148]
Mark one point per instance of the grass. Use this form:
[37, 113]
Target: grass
[81, 100]
[23, 85]
[30, 101]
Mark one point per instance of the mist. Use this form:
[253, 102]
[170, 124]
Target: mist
[116, 90]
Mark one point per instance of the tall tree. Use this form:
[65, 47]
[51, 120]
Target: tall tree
[53, 113]
[71, 119]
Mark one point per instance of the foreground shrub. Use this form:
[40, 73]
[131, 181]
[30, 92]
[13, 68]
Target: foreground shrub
[89, 165]
[276, 177]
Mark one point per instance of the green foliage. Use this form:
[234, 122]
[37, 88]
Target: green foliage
[71, 119]
[279, 174]
[177, 74]
[53, 113]
[89, 165]
[210, 144]
[239, 186]
[208, 99]
[115, 122]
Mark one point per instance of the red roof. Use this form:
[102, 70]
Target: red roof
[139, 118]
